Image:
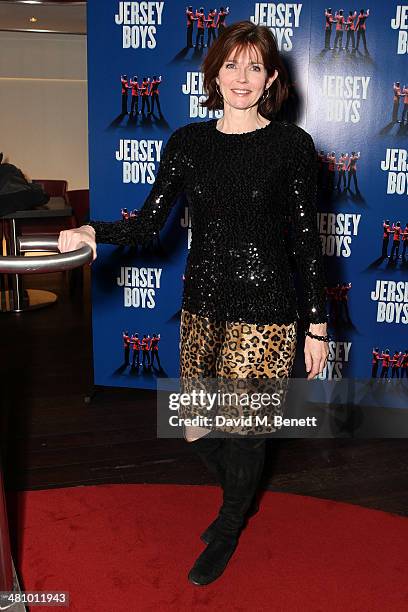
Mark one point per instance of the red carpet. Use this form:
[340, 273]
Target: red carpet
[129, 547]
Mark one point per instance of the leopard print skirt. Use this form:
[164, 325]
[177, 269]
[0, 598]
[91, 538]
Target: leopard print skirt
[238, 354]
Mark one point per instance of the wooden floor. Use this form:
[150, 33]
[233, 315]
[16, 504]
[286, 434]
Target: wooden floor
[51, 438]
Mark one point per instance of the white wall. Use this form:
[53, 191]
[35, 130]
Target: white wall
[43, 105]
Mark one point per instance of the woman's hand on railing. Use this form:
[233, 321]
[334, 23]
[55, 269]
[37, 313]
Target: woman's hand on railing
[69, 240]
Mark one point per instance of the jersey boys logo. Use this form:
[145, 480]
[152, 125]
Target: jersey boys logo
[339, 354]
[400, 22]
[139, 286]
[336, 232]
[345, 97]
[392, 301]
[281, 18]
[138, 159]
[396, 165]
[193, 87]
[138, 21]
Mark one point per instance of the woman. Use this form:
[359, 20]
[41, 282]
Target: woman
[251, 185]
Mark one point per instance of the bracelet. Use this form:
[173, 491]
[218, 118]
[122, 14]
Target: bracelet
[322, 338]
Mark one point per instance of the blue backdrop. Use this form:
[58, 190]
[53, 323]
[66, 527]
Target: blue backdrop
[345, 100]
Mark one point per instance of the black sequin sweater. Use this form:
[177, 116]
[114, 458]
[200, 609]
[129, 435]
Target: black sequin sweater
[252, 201]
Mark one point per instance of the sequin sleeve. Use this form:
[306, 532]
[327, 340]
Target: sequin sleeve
[158, 204]
[307, 249]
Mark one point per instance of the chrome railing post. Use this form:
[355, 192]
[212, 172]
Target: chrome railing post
[6, 567]
[15, 264]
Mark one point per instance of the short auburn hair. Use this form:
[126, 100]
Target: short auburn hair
[238, 36]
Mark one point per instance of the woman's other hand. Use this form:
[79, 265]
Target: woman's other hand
[69, 240]
[316, 351]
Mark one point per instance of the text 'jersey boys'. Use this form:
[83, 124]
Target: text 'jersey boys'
[252, 201]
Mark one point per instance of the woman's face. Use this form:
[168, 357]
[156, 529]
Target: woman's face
[243, 79]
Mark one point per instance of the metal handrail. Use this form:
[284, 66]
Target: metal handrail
[12, 264]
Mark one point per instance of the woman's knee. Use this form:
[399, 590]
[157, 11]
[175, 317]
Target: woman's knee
[192, 434]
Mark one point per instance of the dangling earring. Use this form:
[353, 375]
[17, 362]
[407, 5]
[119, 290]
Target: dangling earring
[263, 95]
[218, 91]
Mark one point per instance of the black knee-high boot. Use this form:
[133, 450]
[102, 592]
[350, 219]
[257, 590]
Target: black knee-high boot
[221, 458]
[243, 469]
[210, 452]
